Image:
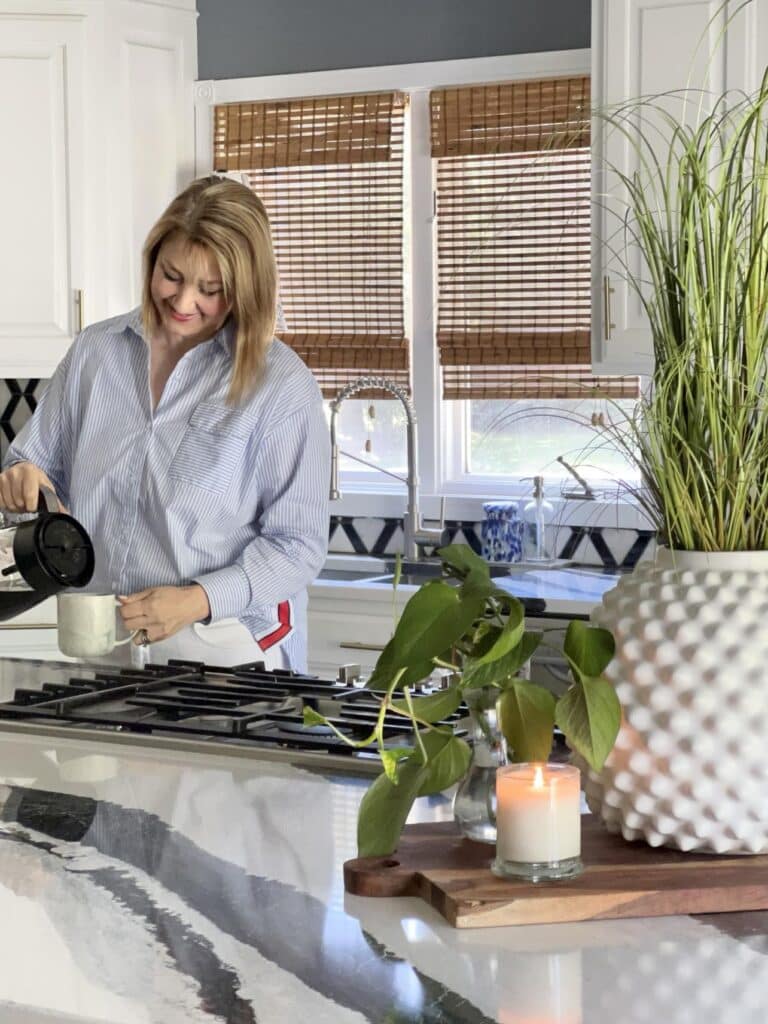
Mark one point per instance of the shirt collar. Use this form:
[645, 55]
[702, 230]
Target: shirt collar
[133, 321]
[128, 321]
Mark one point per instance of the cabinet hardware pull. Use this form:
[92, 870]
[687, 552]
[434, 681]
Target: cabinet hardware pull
[354, 645]
[79, 302]
[607, 292]
[28, 625]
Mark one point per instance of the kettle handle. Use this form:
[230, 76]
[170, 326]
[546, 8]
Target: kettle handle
[47, 503]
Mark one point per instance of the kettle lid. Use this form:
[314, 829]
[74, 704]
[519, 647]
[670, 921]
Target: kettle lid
[53, 552]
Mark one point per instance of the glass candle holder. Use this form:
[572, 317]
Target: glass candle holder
[538, 822]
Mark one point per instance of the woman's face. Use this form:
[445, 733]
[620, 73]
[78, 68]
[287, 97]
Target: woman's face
[187, 291]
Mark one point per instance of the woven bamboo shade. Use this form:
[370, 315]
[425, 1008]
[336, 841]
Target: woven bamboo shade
[513, 241]
[330, 173]
[300, 132]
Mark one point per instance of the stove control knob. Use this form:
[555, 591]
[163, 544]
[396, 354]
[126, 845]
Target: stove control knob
[350, 673]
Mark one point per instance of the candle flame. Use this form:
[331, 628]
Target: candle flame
[538, 777]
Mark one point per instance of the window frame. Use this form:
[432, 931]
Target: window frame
[441, 427]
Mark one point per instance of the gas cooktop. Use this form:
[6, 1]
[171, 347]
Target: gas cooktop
[189, 705]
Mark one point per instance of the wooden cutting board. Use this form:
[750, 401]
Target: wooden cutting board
[620, 879]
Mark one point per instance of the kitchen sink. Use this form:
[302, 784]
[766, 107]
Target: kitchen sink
[417, 574]
[347, 575]
[412, 573]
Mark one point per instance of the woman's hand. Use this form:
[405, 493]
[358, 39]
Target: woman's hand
[163, 611]
[20, 487]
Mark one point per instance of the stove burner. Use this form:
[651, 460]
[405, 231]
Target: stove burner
[245, 705]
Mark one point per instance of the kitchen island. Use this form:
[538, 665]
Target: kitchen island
[154, 886]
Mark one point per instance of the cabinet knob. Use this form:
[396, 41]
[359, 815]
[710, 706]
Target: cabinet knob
[350, 673]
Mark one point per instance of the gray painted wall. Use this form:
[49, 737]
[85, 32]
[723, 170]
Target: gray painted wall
[242, 38]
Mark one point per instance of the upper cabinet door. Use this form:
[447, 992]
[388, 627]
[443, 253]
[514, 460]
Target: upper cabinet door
[41, 195]
[643, 48]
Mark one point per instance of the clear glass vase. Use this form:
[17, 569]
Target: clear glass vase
[474, 806]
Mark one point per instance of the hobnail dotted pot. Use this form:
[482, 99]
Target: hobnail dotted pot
[689, 768]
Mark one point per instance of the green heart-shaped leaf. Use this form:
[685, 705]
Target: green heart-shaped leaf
[435, 707]
[434, 619]
[590, 716]
[385, 808]
[508, 638]
[484, 672]
[527, 717]
[449, 759]
[588, 648]
[463, 559]
[477, 585]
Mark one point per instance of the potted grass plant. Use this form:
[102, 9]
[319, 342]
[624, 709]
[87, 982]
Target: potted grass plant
[468, 625]
[691, 668]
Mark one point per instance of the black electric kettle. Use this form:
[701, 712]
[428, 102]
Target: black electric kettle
[41, 556]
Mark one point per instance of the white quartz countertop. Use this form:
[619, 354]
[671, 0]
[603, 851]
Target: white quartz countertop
[142, 886]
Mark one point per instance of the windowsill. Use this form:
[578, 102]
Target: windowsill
[610, 514]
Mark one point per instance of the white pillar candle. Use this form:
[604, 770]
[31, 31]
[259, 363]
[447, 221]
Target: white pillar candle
[538, 813]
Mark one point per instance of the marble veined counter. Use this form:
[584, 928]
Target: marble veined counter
[142, 886]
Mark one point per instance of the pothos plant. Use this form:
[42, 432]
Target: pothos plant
[469, 625]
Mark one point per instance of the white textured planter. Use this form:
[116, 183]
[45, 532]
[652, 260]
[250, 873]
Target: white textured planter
[690, 765]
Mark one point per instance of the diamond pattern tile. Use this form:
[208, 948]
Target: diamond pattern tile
[374, 535]
[586, 545]
[18, 400]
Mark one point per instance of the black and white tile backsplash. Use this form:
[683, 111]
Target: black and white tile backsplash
[585, 545]
[373, 535]
[18, 400]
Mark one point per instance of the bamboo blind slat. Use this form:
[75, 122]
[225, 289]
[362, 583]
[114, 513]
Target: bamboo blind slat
[510, 117]
[537, 382]
[513, 241]
[330, 173]
[298, 132]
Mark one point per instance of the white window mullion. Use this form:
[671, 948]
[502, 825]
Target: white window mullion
[425, 369]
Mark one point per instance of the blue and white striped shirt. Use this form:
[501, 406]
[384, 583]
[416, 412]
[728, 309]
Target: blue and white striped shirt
[234, 498]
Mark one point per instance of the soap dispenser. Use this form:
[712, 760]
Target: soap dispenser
[537, 514]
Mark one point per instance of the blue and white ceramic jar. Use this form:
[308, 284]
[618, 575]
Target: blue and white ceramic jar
[501, 532]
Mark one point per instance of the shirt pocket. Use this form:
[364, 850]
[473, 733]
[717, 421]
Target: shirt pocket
[211, 450]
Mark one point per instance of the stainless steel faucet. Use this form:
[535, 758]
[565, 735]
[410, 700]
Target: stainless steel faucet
[586, 494]
[415, 534]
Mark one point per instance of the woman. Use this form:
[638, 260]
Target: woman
[192, 445]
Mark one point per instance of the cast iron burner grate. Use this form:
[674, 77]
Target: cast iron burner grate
[245, 705]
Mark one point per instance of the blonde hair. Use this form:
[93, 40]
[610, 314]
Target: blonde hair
[230, 221]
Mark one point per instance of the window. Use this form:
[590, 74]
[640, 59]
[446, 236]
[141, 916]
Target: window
[530, 435]
[513, 250]
[330, 173]
[403, 221]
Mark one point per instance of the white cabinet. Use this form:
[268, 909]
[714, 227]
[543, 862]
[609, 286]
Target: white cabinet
[32, 634]
[41, 188]
[97, 122]
[348, 625]
[644, 48]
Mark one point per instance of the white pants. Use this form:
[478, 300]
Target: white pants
[223, 643]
